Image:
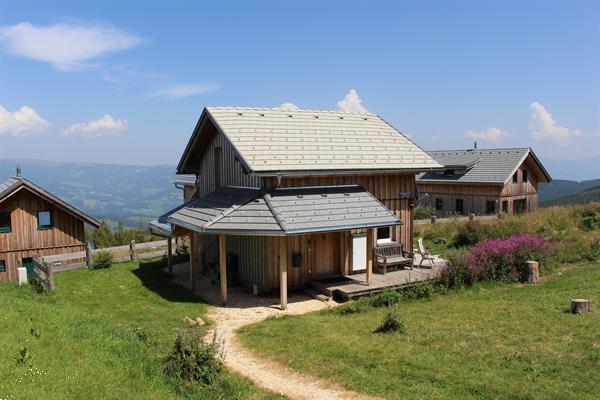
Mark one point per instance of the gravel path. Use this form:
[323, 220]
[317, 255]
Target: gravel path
[267, 374]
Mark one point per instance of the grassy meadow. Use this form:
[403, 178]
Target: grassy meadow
[101, 334]
[492, 341]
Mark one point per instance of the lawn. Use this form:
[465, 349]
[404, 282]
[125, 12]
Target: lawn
[86, 340]
[492, 341]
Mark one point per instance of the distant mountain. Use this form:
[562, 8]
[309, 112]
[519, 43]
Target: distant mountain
[131, 194]
[583, 197]
[560, 188]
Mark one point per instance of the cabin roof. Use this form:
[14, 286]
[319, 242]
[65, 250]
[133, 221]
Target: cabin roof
[272, 141]
[283, 211]
[14, 184]
[491, 166]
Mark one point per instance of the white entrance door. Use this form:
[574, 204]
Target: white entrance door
[359, 252]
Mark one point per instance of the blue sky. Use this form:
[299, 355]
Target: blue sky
[126, 83]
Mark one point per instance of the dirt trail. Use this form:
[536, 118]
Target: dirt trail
[267, 374]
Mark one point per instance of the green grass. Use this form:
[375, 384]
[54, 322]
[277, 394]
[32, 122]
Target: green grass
[495, 341]
[82, 342]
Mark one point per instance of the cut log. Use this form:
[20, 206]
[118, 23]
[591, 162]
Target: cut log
[533, 272]
[580, 306]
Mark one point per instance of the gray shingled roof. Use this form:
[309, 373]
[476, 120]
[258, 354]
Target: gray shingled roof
[493, 166]
[13, 184]
[269, 141]
[283, 211]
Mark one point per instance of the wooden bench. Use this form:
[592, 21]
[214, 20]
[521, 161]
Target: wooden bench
[393, 255]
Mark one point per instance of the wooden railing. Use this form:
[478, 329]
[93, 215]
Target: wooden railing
[132, 251]
[44, 273]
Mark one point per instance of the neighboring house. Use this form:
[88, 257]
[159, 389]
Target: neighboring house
[483, 182]
[320, 188]
[34, 222]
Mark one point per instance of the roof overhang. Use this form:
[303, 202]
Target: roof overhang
[282, 212]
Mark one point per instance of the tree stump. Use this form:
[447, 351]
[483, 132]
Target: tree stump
[580, 306]
[533, 272]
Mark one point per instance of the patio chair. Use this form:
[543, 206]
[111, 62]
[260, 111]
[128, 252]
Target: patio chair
[425, 254]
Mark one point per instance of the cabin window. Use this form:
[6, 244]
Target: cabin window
[384, 235]
[439, 203]
[44, 219]
[2, 266]
[505, 206]
[5, 222]
[516, 177]
[490, 207]
[525, 177]
[460, 206]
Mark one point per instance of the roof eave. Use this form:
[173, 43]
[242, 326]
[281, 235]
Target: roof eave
[343, 171]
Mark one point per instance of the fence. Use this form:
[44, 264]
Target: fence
[132, 251]
[44, 273]
[434, 220]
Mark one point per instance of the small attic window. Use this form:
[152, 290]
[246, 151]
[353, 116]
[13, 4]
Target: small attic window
[341, 117]
[262, 114]
[290, 115]
[239, 113]
[316, 116]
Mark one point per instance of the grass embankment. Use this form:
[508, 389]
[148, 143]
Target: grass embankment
[492, 341]
[101, 334]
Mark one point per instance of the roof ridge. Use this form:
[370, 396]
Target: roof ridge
[307, 110]
[275, 211]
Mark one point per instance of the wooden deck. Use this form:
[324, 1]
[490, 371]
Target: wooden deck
[351, 286]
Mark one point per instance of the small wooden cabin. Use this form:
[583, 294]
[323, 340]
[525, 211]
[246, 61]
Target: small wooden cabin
[483, 182]
[314, 191]
[34, 222]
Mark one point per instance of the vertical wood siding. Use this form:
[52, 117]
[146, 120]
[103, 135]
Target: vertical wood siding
[26, 240]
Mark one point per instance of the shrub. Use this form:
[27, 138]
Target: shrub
[102, 259]
[504, 259]
[424, 212]
[590, 217]
[417, 292]
[456, 273]
[387, 298]
[392, 322]
[193, 360]
[354, 307]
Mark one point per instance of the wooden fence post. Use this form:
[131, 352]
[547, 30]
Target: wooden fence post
[170, 255]
[50, 276]
[133, 251]
[533, 272]
[88, 255]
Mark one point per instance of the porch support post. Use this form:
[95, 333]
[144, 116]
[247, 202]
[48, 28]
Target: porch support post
[370, 236]
[283, 256]
[193, 260]
[170, 254]
[223, 268]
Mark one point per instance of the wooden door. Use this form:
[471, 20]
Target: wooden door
[326, 254]
[28, 264]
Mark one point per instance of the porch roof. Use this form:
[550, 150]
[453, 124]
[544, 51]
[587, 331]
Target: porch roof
[282, 211]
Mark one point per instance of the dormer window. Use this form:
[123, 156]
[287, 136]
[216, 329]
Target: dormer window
[449, 172]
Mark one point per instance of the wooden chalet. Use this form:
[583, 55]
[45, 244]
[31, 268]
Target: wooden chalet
[483, 182]
[281, 198]
[34, 222]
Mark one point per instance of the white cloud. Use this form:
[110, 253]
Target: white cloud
[494, 135]
[288, 106]
[66, 47]
[185, 90]
[105, 126]
[21, 122]
[544, 127]
[352, 103]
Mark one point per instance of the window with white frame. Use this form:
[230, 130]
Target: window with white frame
[385, 235]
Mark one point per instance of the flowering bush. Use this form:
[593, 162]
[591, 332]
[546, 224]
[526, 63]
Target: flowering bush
[505, 259]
